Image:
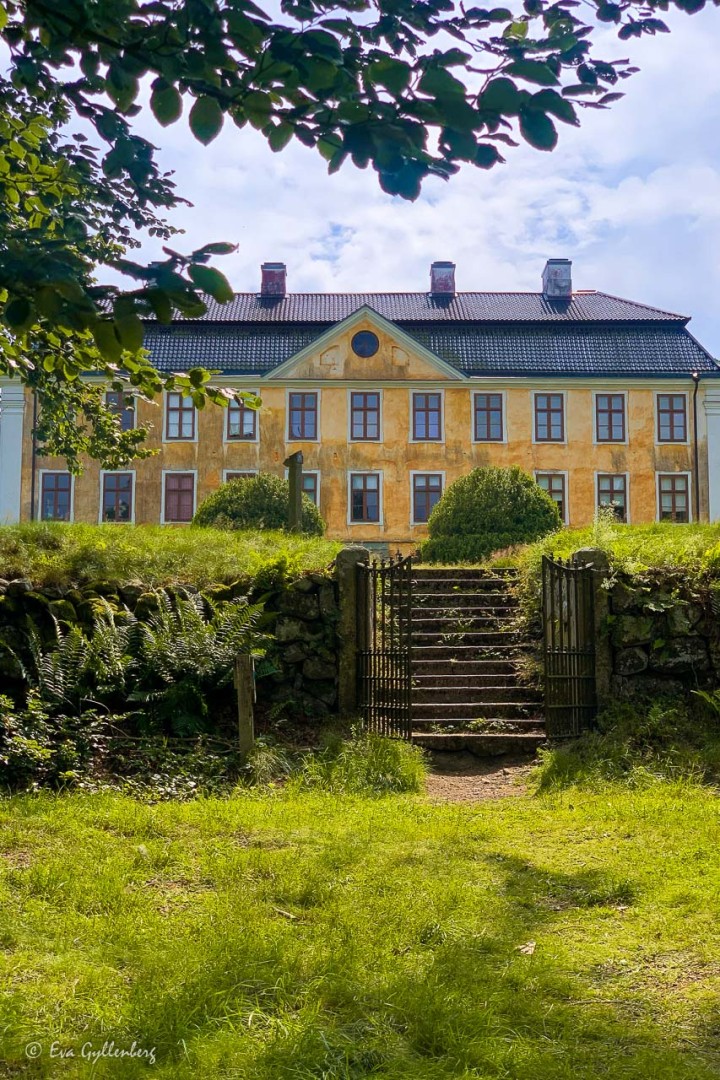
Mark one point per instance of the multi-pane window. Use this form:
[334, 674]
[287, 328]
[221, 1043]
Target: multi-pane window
[549, 418]
[427, 417]
[365, 497]
[612, 491]
[672, 418]
[426, 492]
[241, 421]
[365, 415]
[610, 417]
[179, 496]
[674, 497]
[310, 485]
[302, 416]
[117, 496]
[55, 496]
[488, 418]
[239, 476]
[554, 484]
[180, 417]
[123, 405]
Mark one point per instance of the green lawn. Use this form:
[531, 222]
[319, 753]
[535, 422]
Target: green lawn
[635, 548]
[320, 936]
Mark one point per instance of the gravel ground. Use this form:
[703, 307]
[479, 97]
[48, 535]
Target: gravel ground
[465, 778]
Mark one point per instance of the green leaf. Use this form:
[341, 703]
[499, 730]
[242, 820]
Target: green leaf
[257, 107]
[212, 282]
[533, 71]
[394, 75]
[538, 129]
[206, 119]
[278, 137]
[130, 331]
[166, 104]
[220, 248]
[549, 101]
[500, 96]
[18, 313]
[3, 17]
[437, 82]
[486, 156]
[107, 340]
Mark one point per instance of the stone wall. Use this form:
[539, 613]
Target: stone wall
[663, 635]
[302, 620]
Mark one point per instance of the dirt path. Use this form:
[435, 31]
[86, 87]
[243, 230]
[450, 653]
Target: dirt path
[465, 778]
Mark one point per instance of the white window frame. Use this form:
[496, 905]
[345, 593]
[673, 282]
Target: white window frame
[298, 390]
[125, 394]
[656, 418]
[38, 508]
[558, 472]
[225, 472]
[533, 421]
[362, 390]
[411, 430]
[611, 442]
[115, 472]
[503, 406]
[381, 504]
[674, 472]
[609, 472]
[174, 438]
[170, 472]
[423, 472]
[226, 424]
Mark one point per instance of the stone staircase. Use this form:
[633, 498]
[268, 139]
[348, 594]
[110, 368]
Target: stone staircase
[468, 692]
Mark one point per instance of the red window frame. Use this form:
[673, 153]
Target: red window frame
[550, 411]
[302, 416]
[53, 487]
[610, 418]
[672, 418]
[425, 486]
[179, 499]
[554, 484]
[365, 498]
[365, 416]
[179, 406]
[245, 419]
[488, 413]
[117, 496]
[123, 405]
[612, 491]
[427, 417]
[676, 489]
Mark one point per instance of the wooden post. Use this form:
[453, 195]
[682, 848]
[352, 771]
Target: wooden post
[352, 619]
[294, 466]
[598, 559]
[245, 686]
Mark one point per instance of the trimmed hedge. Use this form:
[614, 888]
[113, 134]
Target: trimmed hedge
[486, 511]
[258, 502]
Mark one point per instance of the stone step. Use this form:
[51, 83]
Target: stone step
[459, 622]
[442, 694]
[474, 572]
[454, 711]
[482, 725]
[461, 584]
[472, 599]
[454, 668]
[445, 653]
[477, 638]
[448, 676]
[490, 745]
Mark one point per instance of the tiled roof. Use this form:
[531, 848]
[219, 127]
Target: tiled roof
[512, 350]
[422, 307]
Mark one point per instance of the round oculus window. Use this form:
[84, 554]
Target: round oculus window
[365, 343]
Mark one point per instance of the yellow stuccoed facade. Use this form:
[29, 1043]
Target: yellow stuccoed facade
[398, 368]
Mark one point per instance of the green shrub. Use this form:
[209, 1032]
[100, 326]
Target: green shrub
[259, 502]
[486, 511]
[365, 765]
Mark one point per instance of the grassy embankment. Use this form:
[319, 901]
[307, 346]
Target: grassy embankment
[564, 937]
[154, 555]
[634, 548]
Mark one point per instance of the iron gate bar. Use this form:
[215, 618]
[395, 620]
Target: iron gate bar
[569, 647]
[384, 642]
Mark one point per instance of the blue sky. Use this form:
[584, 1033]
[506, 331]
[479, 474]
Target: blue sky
[632, 197]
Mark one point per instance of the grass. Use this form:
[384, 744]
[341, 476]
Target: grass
[54, 554]
[310, 935]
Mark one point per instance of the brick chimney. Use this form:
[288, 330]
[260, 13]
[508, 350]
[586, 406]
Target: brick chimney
[557, 278]
[442, 279]
[274, 279]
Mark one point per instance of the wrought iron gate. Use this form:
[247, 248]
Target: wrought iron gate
[569, 633]
[384, 591]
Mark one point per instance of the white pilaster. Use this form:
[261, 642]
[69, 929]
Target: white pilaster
[712, 420]
[12, 415]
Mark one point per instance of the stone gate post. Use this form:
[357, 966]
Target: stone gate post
[346, 565]
[598, 560]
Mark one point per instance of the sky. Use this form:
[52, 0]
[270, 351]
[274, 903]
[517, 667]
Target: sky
[632, 196]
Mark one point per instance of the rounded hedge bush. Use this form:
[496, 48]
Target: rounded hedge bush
[486, 511]
[257, 502]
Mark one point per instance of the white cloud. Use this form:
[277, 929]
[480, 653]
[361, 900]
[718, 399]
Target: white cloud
[633, 197]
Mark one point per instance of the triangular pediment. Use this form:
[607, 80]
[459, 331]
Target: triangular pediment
[332, 356]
